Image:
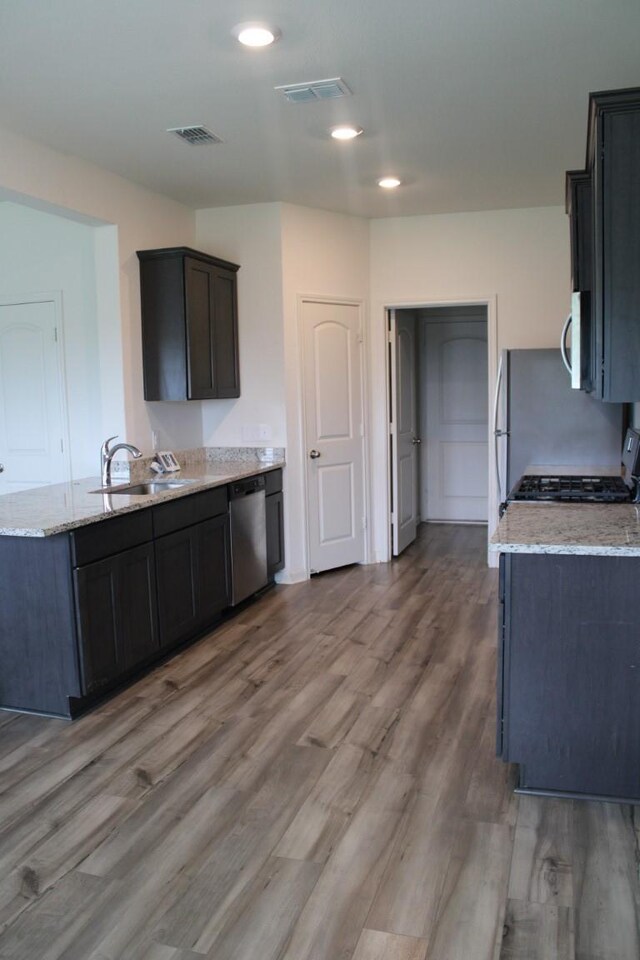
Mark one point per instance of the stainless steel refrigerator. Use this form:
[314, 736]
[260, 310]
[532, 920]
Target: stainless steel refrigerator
[539, 420]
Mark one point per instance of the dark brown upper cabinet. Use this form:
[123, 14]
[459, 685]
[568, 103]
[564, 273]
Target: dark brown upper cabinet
[189, 325]
[579, 206]
[613, 163]
[578, 190]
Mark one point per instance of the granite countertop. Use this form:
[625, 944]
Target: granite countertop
[56, 508]
[605, 530]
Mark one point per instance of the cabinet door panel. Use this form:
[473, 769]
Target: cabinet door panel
[137, 618]
[226, 334]
[97, 616]
[573, 683]
[621, 255]
[581, 188]
[200, 330]
[176, 572]
[275, 533]
[214, 563]
[273, 482]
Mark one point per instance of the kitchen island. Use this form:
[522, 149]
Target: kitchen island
[569, 648]
[97, 586]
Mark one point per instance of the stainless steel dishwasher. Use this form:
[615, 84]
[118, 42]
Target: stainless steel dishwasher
[248, 537]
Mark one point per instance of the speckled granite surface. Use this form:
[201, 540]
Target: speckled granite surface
[133, 471]
[45, 511]
[607, 530]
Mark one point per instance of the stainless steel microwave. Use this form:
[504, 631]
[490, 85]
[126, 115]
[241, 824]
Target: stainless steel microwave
[579, 359]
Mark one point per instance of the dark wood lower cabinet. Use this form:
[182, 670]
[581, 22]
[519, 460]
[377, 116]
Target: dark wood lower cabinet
[214, 567]
[176, 564]
[193, 570]
[569, 673]
[116, 616]
[38, 648]
[81, 613]
[275, 533]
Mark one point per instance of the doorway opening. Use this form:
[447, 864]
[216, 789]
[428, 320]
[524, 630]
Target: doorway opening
[438, 374]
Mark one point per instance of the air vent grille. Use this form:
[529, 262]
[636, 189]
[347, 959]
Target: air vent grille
[315, 90]
[195, 135]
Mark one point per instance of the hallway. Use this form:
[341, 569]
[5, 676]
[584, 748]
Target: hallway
[314, 781]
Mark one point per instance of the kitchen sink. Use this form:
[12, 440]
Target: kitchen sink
[144, 489]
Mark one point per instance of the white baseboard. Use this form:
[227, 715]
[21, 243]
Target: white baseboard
[291, 576]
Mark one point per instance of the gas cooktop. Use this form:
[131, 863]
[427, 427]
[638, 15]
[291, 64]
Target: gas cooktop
[571, 489]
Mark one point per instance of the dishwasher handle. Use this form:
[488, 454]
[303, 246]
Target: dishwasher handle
[244, 488]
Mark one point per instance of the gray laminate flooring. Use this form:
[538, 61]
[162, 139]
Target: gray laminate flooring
[314, 781]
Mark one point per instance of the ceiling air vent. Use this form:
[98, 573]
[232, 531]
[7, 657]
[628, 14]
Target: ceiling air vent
[315, 90]
[195, 135]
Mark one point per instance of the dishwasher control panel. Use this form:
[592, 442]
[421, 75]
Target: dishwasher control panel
[242, 488]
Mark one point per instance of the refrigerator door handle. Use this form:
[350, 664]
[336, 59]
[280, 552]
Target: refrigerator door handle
[563, 344]
[497, 433]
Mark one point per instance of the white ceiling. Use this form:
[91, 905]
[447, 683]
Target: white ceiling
[475, 105]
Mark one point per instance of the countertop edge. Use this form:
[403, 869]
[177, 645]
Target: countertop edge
[584, 550]
[143, 501]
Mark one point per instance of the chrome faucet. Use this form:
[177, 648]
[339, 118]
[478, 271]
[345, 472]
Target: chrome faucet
[106, 456]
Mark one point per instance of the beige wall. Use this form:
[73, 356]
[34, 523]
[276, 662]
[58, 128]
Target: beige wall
[325, 255]
[32, 173]
[284, 251]
[516, 260]
[45, 254]
[251, 236]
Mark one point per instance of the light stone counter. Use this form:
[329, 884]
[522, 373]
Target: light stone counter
[45, 511]
[605, 530]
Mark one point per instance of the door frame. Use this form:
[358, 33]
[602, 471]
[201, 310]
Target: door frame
[490, 303]
[364, 391]
[54, 297]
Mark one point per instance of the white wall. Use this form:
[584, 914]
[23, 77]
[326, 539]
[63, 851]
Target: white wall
[251, 236]
[517, 260]
[284, 251]
[32, 173]
[323, 254]
[42, 253]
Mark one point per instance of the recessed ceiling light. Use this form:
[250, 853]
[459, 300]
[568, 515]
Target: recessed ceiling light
[389, 183]
[255, 34]
[345, 132]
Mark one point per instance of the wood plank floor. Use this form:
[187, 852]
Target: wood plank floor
[314, 781]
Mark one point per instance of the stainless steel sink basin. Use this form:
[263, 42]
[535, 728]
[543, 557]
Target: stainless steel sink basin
[144, 489]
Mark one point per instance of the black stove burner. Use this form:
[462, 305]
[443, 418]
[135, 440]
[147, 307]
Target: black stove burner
[572, 489]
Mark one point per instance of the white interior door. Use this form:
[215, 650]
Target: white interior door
[334, 433]
[32, 415]
[404, 428]
[456, 420]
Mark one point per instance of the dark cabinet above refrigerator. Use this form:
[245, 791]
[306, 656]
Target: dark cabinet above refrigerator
[603, 203]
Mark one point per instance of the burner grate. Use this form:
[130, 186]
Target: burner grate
[572, 489]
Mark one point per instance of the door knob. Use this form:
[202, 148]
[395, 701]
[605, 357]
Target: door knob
[1, 467]
[416, 440]
[314, 454]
